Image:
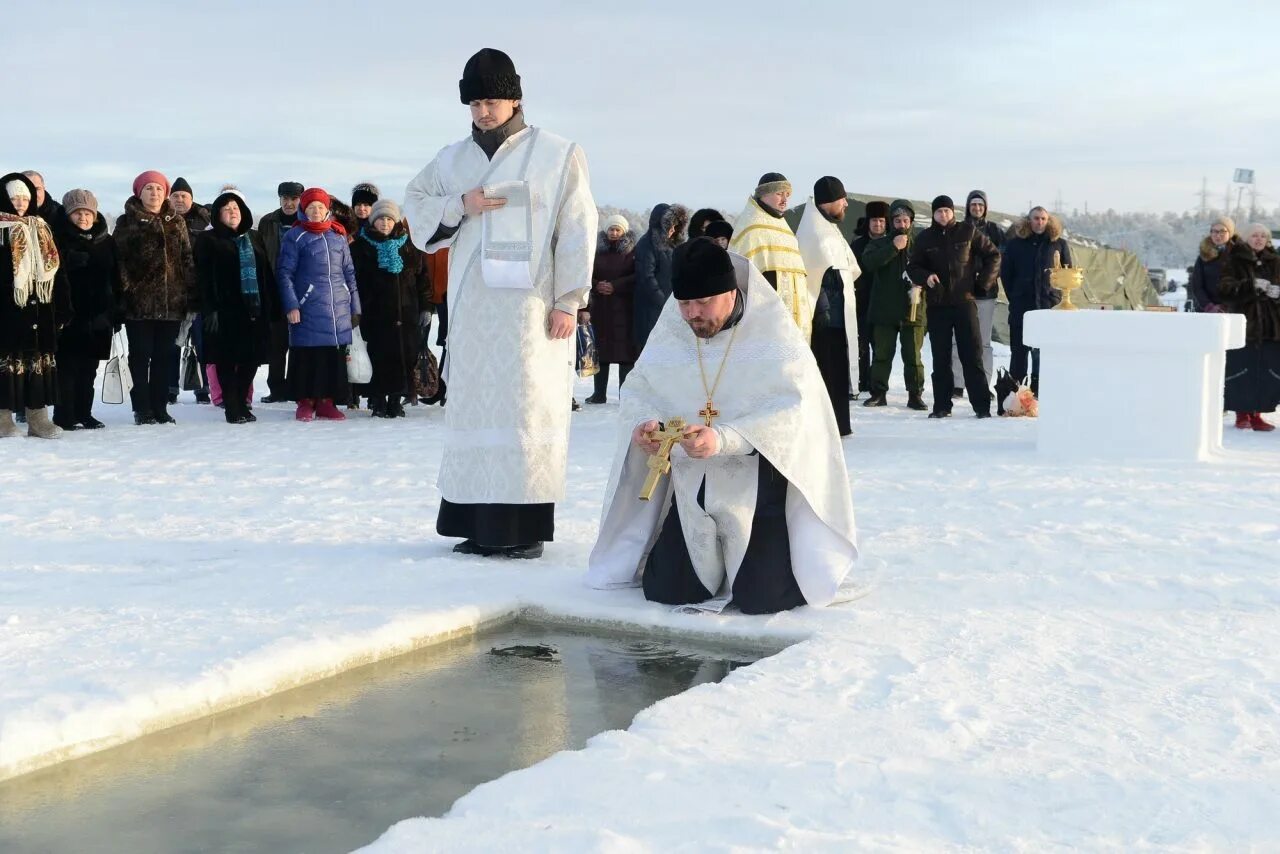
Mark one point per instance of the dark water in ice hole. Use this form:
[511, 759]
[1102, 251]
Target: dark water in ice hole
[329, 766]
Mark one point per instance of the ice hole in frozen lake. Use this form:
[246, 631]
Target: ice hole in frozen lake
[331, 765]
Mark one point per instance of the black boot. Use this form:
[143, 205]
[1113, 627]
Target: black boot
[940, 413]
[530, 552]
[916, 402]
[877, 399]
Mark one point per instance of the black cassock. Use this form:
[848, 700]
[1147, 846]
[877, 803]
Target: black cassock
[497, 525]
[765, 583]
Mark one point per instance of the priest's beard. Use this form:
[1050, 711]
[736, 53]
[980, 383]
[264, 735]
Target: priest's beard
[704, 328]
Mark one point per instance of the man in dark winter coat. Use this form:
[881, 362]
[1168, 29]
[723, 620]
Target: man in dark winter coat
[953, 261]
[198, 220]
[653, 266]
[1024, 268]
[46, 207]
[874, 226]
[271, 228]
[976, 213]
[889, 309]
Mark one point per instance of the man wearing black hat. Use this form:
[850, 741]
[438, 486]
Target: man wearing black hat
[756, 510]
[954, 261]
[271, 228]
[763, 237]
[976, 213]
[872, 225]
[831, 269]
[514, 205]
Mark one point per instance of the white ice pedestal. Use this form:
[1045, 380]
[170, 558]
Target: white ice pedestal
[1131, 384]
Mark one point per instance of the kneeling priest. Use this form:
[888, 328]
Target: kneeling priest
[755, 510]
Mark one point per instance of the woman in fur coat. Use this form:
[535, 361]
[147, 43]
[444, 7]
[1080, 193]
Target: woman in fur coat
[1250, 285]
[612, 313]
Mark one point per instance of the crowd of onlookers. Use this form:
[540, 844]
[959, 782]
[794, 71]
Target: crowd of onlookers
[294, 288]
[176, 275]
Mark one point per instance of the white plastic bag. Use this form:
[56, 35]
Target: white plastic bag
[117, 382]
[359, 366]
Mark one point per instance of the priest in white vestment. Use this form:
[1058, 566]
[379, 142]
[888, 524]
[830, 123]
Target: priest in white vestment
[756, 511]
[513, 203]
[831, 270]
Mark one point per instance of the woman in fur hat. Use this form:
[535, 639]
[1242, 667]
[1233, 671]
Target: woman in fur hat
[1250, 285]
[34, 304]
[612, 281]
[394, 293]
[233, 274]
[92, 268]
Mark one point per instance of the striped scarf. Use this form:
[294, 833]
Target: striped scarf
[248, 271]
[389, 258]
[34, 256]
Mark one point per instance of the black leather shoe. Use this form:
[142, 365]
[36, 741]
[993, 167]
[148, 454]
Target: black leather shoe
[165, 418]
[529, 552]
[875, 400]
[91, 423]
[940, 413]
[982, 415]
[471, 547]
[274, 398]
[595, 401]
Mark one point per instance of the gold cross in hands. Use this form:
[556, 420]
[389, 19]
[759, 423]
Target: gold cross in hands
[709, 413]
[660, 463]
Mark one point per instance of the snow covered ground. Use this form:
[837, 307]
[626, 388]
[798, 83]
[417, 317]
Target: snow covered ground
[1078, 655]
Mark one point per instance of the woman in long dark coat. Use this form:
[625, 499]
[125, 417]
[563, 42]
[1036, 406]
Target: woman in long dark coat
[391, 275]
[1250, 285]
[92, 268]
[233, 274]
[612, 311]
[34, 304]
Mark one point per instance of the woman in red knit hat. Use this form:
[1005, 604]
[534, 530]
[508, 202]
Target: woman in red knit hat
[318, 292]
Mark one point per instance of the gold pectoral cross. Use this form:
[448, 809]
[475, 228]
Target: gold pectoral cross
[660, 463]
[709, 413]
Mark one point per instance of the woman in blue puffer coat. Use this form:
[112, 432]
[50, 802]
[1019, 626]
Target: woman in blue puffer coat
[318, 292]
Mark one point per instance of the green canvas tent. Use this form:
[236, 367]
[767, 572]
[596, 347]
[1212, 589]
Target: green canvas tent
[1112, 277]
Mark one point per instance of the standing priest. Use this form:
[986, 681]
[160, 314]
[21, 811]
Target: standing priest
[756, 511]
[514, 205]
[762, 236]
[831, 271]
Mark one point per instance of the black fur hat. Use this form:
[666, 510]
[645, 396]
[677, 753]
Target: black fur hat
[878, 210]
[701, 269]
[364, 194]
[489, 74]
[719, 228]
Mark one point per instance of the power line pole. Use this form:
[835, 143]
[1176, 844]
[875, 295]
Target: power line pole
[1253, 201]
[1204, 197]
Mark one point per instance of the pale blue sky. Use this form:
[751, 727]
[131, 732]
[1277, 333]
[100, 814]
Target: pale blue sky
[1117, 107]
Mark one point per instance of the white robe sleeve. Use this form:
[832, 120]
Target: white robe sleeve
[575, 238]
[732, 443]
[429, 204]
